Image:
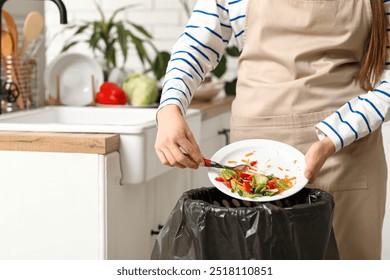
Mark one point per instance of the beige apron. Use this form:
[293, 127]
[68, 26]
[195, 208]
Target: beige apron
[299, 64]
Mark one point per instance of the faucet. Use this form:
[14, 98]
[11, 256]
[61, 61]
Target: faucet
[9, 90]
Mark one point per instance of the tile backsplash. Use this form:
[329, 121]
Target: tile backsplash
[165, 19]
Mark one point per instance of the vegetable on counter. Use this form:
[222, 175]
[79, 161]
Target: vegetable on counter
[111, 94]
[140, 89]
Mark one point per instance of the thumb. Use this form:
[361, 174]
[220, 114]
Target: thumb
[308, 174]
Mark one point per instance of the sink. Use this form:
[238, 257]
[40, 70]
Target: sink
[135, 126]
[80, 119]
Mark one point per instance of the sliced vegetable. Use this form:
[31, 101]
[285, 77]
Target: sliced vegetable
[251, 184]
[281, 184]
[227, 174]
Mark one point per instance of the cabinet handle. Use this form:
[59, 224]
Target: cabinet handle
[225, 132]
[156, 231]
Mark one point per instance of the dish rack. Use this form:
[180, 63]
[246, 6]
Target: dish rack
[57, 99]
[21, 77]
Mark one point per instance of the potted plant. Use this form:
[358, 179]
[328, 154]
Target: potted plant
[110, 37]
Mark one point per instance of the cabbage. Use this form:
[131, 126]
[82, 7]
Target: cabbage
[140, 89]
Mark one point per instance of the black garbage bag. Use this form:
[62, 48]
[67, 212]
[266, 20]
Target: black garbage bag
[207, 224]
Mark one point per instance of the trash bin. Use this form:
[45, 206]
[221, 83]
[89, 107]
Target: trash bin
[207, 224]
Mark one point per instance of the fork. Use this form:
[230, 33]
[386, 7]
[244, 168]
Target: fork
[238, 167]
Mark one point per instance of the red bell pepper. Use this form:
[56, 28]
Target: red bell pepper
[111, 94]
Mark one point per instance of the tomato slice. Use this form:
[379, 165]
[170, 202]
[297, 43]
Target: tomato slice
[247, 186]
[219, 179]
[244, 175]
[271, 184]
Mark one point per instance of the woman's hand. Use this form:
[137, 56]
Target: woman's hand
[175, 137]
[316, 156]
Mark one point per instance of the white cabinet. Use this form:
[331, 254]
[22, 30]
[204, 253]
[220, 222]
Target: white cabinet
[73, 205]
[52, 205]
[134, 212]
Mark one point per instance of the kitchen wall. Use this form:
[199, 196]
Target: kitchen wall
[164, 19]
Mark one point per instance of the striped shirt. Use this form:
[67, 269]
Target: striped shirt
[212, 25]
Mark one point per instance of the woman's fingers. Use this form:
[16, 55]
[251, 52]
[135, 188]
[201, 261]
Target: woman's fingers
[192, 151]
[175, 144]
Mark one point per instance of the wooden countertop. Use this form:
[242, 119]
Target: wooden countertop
[214, 107]
[91, 143]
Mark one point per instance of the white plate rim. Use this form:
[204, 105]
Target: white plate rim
[98, 71]
[250, 144]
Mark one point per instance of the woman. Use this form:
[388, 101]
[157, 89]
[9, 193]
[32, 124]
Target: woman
[310, 74]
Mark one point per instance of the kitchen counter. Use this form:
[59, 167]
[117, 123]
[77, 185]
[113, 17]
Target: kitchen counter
[213, 107]
[92, 143]
[88, 143]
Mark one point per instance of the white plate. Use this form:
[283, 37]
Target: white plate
[272, 158]
[75, 71]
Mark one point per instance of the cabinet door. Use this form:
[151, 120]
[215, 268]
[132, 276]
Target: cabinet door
[136, 211]
[127, 211]
[165, 191]
[51, 206]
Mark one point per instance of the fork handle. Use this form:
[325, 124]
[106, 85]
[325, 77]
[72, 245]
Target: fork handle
[210, 163]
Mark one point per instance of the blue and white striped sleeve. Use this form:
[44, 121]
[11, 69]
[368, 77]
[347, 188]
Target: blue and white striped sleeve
[197, 52]
[360, 116]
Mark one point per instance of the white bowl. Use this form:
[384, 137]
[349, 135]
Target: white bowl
[209, 90]
[75, 72]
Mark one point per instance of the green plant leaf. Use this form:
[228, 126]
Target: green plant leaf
[140, 48]
[95, 37]
[230, 87]
[69, 45]
[111, 57]
[160, 64]
[108, 28]
[220, 70]
[100, 10]
[233, 51]
[122, 39]
[81, 29]
[140, 29]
